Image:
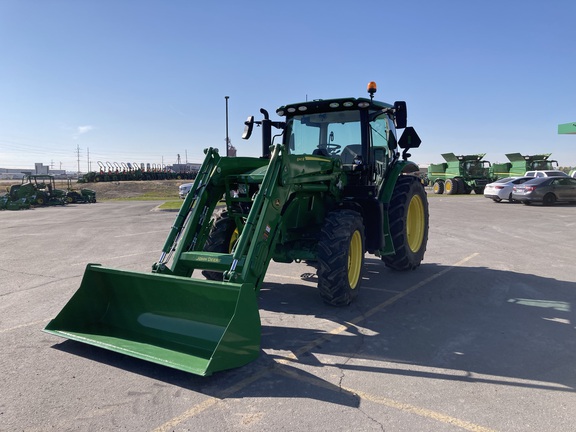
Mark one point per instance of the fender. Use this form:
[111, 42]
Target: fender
[395, 170]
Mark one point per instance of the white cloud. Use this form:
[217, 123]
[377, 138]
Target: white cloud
[81, 130]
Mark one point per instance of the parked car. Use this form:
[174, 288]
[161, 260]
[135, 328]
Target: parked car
[546, 173]
[502, 189]
[573, 173]
[547, 190]
[184, 189]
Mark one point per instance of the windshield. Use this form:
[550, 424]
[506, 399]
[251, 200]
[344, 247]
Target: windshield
[324, 133]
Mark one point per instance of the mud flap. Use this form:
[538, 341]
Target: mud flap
[188, 324]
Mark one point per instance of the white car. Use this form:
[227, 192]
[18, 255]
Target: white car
[184, 189]
[502, 189]
[546, 173]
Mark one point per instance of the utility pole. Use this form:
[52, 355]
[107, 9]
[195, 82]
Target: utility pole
[78, 155]
[227, 141]
[88, 153]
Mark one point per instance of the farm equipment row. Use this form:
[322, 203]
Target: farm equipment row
[40, 190]
[114, 171]
[466, 173]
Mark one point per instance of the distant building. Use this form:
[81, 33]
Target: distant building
[19, 173]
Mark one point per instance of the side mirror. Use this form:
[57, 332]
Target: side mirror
[249, 125]
[409, 139]
[400, 114]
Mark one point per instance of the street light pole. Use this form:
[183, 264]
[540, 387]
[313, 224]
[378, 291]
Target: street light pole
[227, 151]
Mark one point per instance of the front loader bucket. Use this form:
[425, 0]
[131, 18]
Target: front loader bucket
[192, 325]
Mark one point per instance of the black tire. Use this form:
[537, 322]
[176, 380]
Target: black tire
[221, 239]
[341, 257]
[479, 190]
[409, 219]
[438, 187]
[461, 186]
[549, 199]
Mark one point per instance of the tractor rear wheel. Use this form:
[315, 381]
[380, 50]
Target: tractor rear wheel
[408, 216]
[341, 257]
[221, 239]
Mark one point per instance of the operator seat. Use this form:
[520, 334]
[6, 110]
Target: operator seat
[349, 153]
[321, 152]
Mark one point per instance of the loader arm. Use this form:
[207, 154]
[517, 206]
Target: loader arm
[248, 261]
[258, 238]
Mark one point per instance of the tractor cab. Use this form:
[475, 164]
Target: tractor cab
[359, 133]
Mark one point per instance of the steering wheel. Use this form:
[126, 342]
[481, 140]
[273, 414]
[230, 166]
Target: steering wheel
[333, 148]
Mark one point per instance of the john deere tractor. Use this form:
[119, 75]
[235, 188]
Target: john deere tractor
[83, 195]
[333, 184]
[45, 193]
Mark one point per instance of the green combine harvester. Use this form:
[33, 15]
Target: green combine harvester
[336, 186]
[519, 164]
[460, 174]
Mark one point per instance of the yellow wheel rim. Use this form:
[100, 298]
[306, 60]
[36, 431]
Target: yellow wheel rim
[233, 240]
[448, 187]
[354, 259]
[415, 223]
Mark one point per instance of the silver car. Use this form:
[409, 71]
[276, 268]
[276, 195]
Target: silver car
[502, 189]
[184, 189]
[547, 190]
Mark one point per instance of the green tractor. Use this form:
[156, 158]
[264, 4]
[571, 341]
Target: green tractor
[460, 174]
[83, 195]
[337, 185]
[42, 190]
[19, 197]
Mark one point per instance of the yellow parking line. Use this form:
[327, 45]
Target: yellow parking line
[198, 408]
[204, 405]
[24, 325]
[391, 403]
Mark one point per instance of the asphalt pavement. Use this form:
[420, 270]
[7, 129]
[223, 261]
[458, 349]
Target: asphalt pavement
[481, 337]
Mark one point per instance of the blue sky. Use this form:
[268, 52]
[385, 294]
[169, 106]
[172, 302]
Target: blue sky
[145, 80]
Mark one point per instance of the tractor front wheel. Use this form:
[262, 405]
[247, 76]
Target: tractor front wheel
[221, 239]
[340, 257]
[408, 216]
